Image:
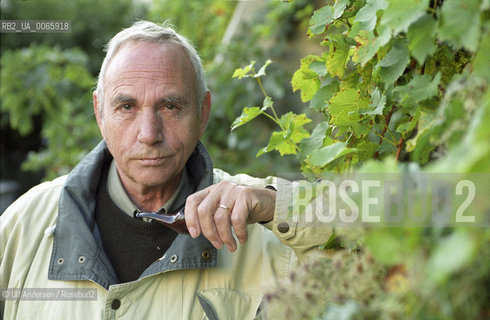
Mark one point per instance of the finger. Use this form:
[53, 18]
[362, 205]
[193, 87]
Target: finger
[239, 220]
[206, 211]
[222, 219]
[191, 216]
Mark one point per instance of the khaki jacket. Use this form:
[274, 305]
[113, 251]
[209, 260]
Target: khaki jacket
[49, 242]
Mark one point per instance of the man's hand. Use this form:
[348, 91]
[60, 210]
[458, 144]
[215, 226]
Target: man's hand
[216, 209]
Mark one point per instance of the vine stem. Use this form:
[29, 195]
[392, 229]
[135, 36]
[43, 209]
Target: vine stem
[400, 147]
[434, 9]
[275, 117]
[272, 118]
[387, 122]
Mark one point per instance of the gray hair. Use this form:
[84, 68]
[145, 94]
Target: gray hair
[152, 32]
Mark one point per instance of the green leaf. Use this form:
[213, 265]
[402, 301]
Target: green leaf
[461, 23]
[305, 80]
[391, 67]
[400, 14]
[293, 122]
[344, 107]
[407, 127]
[482, 57]
[268, 103]
[247, 115]
[286, 141]
[319, 68]
[339, 7]
[377, 103]
[321, 97]
[262, 70]
[243, 72]
[366, 150]
[320, 19]
[369, 44]
[366, 17]
[315, 141]
[337, 56]
[421, 37]
[325, 155]
[450, 255]
[420, 88]
[279, 142]
[420, 146]
[326, 15]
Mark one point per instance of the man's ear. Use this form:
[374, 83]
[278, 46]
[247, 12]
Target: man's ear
[97, 112]
[205, 110]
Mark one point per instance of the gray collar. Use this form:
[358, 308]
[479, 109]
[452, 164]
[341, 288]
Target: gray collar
[77, 250]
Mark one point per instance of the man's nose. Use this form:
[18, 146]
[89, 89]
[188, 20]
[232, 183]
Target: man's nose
[150, 127]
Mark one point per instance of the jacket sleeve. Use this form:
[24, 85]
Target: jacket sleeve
[294, 224]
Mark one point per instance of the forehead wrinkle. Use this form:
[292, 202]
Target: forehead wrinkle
[168, 68]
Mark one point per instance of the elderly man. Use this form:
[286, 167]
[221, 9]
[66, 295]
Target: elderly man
[82, 231]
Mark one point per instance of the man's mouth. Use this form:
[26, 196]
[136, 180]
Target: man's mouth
[152, 161]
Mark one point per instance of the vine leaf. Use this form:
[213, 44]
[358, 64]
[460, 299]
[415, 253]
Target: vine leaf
[337, 56]
[377, 103]
[315, 140]
[325, 16]
[369, 44]
[306, 80]
[286, 141]
[391, 67]
[321, 97]
[344, 107]
[420, 146]
[366, 17]
[482, 57]
[420, 88]
[461, 23]
[407, 127]
[319, 68]
[268, 103]
[400, 14]
[326, 155]
[262, 70]
[421, 38]
[243, 72]
[247, 115]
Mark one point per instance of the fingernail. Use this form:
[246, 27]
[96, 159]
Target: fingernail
[216, 244]
[193, 232]
[230, 248]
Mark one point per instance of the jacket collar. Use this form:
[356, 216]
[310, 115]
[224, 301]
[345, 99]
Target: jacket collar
[77, 250]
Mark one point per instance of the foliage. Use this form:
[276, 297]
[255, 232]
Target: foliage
[45, 99]
[93, 23]
[401, 86]
[265, 34]
[212, 17]
[54, 85]
[378, 88]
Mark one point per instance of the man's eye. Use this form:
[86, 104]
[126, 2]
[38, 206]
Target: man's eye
[170, 107]
[126, 106]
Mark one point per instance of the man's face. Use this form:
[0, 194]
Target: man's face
[150, 119]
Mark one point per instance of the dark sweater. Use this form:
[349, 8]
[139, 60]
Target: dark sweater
[131, 244]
